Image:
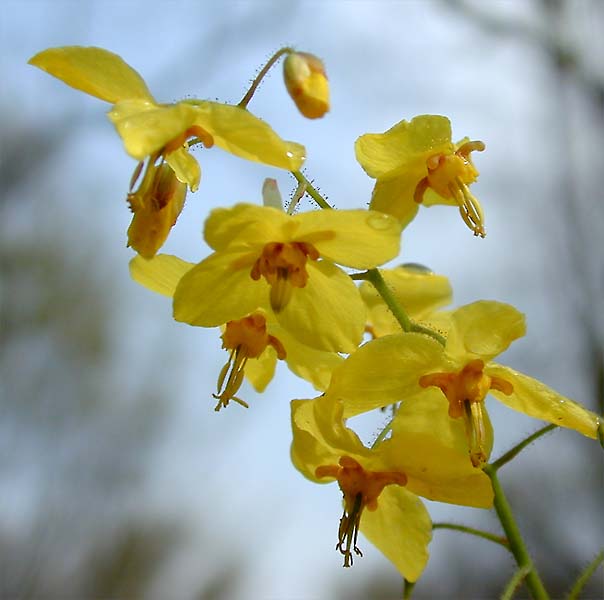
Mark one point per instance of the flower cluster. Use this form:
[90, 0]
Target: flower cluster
[284, 286]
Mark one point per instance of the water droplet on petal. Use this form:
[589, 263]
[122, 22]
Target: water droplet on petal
[380, 221]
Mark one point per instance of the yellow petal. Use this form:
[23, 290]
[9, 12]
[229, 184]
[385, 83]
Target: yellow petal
[239, 132]
[320, 436]
[404, 146]
[160, 274]
[385, 371]
[401, 529]
[483, 330]
[356, 238]
[246, 225]
[218, 290]
[328, 313]
[535, 399]
[185, 167]
[93, 70]
[395, 196]
[260, 371]
[315, 366]
[146, 128]
[435, 451]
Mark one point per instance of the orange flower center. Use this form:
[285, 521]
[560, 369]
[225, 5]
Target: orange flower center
[361, 490]
[283, 265]
[201, 135]
[245, 338]
[466, 392]
[449, 175]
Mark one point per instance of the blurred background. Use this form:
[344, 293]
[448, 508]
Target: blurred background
[117, 478]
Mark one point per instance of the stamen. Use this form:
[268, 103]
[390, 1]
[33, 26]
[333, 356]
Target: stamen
[179, 141]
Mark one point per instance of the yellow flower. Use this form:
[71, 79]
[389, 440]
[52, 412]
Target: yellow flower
[307, 84]
[417, 163]
[254, 342]
[395, 367]
[265, 258]
[159, 133]
[418, 290]
[380, 484]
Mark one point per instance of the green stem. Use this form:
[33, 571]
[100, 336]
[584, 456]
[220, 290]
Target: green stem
[271, 61]
[510, 454]
[407, 589]
[310, 190]
[517, 547]
[514, 583]
[497, 539]
[584, 577]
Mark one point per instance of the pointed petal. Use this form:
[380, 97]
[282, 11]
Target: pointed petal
[260, 371]
[328, 313]
[160, 274]
[239, 132]
[404, 146]
[385, 371]
[93, 70]
[244, 225]
[185, 167]
[336, 235]
[218, 290]
[401, 529]
[535, 399]
[395, 196]
[483, 330]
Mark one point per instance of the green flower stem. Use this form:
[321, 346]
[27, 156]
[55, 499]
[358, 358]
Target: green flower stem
[510, 454]
[310, 190]
[407, 589]
[271, 61]
[584, 577]
[514, 583]
[375, 278]
[497, 539]
[517, 547]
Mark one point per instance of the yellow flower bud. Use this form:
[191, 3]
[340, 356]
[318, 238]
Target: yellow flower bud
[307, 84]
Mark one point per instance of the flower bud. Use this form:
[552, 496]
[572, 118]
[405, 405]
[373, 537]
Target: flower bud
[307, 83]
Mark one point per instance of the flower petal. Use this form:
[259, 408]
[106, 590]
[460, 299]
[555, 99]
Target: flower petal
[320, 436]
[535, 399]
[239, 132]
[385, 371]
[146, 128]
[483, 330]
[356, 238]
[395, 196]
[244, 225]
[404, 146]
[432, 449]
[185, 167]
[95, 71]
[160, 274]
[218, 290]
[260, 371]
[401, 529]
[328, 313]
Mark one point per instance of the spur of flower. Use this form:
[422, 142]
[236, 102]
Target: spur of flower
[424, 456]
[416, 163]
[418, 290]
[160, 134]
[395, 367]
[286, 264]
[254, 342]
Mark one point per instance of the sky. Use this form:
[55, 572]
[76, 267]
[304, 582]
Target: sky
[228, 475]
